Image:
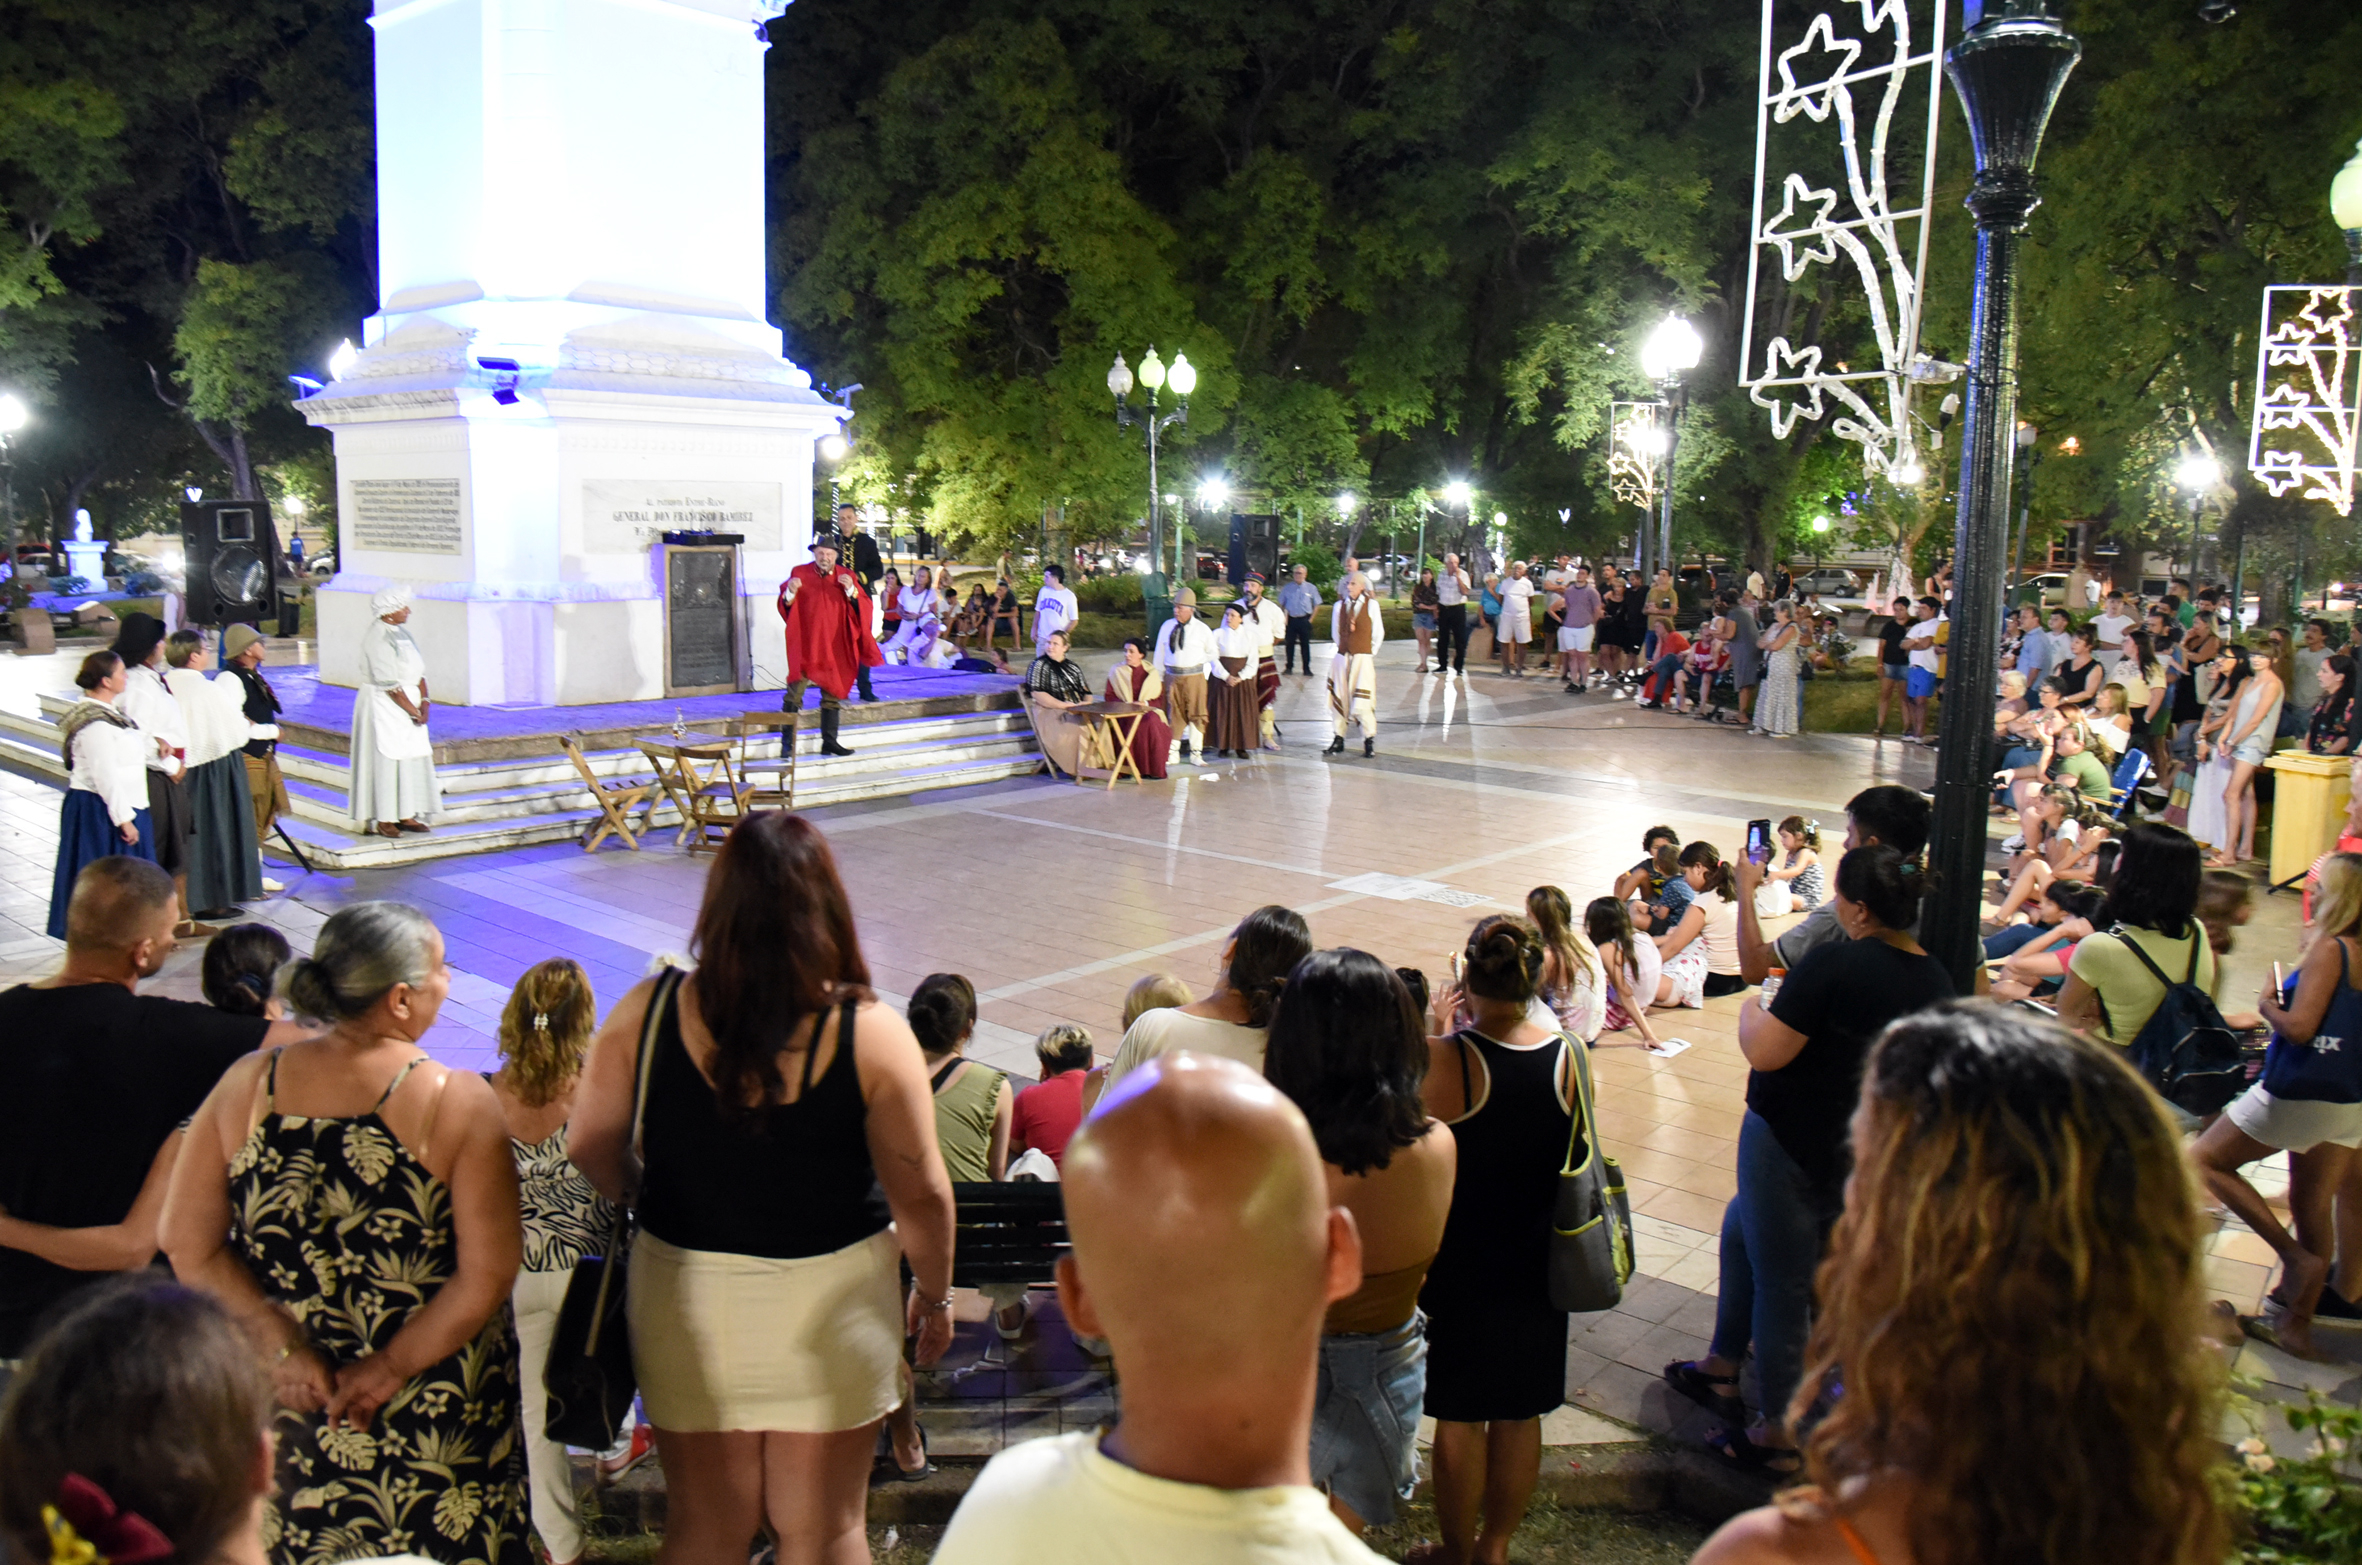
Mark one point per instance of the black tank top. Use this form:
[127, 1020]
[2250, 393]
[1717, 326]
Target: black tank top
[1496, 1241]
[786, 1181]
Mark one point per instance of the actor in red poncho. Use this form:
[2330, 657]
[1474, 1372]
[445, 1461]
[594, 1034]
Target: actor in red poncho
[829, 643]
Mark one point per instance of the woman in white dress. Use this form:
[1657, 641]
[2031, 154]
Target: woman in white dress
[1780, 710]
[919, 605]
[394, 787]
[1517, 617]
[2209, 818]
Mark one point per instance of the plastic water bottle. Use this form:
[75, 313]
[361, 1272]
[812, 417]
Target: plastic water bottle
[679, 726]
[1771, 987]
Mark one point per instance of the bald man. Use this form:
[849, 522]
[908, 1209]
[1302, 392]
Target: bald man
[1356, 631]
[1205, 1252]
[95, 1080]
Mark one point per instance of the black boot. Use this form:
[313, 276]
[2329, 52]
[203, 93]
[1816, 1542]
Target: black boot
[861, 684]
[1337, 745]
[829, 717]
[1369, 748]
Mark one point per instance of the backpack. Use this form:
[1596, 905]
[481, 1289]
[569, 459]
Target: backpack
[2184, 1049]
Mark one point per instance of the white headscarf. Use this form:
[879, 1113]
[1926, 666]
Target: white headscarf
[389, 600]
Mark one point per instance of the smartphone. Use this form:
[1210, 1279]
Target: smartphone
[1454, 962]
[2279, 985]
[1759, 842]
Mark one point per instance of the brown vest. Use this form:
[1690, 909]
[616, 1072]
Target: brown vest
[1357, 625]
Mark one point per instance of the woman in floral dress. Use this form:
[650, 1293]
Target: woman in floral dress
[1780, 711]
[355, 1204]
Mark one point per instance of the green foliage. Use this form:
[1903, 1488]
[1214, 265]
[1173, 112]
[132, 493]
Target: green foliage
[1117, 594]
[2308, 1508]
[237, 335]
[1321, 565]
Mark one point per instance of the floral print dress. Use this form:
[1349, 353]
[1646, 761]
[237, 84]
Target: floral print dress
[343, 1227]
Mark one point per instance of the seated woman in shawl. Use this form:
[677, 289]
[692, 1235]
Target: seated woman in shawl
[1053, 683]
[1136, 679]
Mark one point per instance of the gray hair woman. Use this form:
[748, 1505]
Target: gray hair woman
[355, 1205]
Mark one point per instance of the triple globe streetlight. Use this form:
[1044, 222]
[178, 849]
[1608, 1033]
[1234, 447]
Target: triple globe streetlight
[1671, 352]
[1154, 375]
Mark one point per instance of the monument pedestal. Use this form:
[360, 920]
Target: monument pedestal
[571, 355]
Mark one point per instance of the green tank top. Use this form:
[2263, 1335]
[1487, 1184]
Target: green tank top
[963, 1121]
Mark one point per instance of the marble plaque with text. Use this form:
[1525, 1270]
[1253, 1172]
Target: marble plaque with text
[406, 515]
[627, 516]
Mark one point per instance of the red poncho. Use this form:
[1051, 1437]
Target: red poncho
[828, 636]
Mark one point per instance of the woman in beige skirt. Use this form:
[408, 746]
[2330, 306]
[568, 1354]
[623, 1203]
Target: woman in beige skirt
[786, 1160]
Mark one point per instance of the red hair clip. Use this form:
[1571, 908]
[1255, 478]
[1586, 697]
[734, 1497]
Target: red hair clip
[86, 1526]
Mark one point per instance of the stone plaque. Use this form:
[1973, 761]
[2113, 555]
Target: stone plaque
[406, 515]
[700, 620]
[626, 516]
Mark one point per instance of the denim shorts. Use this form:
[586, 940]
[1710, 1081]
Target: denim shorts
[1897, 672]
[1365, 1420]
[1422, 619]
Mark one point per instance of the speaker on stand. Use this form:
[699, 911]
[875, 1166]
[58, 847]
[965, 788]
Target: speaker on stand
[1254, 546]
[232, 556]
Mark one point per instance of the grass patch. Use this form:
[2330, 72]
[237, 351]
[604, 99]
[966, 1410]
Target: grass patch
[1848, 704]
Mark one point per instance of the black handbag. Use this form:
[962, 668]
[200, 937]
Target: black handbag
[589, 1376]
[1591, 1216]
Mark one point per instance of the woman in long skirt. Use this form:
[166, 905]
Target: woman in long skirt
[1232, 722]
[1780, 711]
[106, 805]
[394, 787]
[1137, 680]
[225, 864]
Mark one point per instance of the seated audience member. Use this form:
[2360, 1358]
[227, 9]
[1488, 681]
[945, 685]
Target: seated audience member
[2151, 913]
[1635, 972]
[2226, 900]
[2307, 1103]
[2043, 913]
[1888, 813]
[102, 1078]
[241, 970]
[1641, 882]
[1574, 986]
[2037, 969]
[1670, 892]
[2059, 838]
[2330, 728]
[1700, 950]
[1349, 1048]
[1213, 1297]
[2045, 1205]
[1155, 992]
[1233, 1019]
[1416, 982]
[1050, 1111]
[357, 1139]
[138, 1428]
[1793, 881]
[973, 1102]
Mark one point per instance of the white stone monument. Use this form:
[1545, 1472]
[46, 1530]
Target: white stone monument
[572, 352]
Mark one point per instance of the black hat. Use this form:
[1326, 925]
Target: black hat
[828, 541]
[137, 641]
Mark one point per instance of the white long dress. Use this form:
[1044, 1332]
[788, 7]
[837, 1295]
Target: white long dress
[393, 760]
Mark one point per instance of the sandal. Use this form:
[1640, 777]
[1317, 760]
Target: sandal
[2333, 1306]
[1734, 1447]
[889, 1469]
[1692, 1381]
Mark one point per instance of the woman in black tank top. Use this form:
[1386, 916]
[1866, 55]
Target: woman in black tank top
[785, 1167]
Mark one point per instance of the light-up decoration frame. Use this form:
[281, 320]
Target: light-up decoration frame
[1635, 448]
[2308, 394]
[1856, 230]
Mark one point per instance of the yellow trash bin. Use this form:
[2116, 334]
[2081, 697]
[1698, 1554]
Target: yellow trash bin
[2308, 806]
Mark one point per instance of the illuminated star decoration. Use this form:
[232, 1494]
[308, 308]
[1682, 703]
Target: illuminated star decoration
[2308, 403]
[1780, 231]
[1820, 37]
[1787, 368]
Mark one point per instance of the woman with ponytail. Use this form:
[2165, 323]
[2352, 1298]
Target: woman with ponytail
[1574, 984]
[1234, 1020]
[545, 1033]
[1633, 970]
[1805, 1044]
[1701, 950]
[1496, 1350]
[240, 973]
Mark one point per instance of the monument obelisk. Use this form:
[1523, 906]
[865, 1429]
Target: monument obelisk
[572, 352]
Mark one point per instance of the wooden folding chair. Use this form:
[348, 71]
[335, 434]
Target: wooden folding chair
[769, 780]
[667, 762]
[615, 798]
[717, 799]
[1041, 748]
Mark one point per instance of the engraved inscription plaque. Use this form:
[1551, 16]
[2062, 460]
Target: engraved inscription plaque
[406, 515]
[701, 609]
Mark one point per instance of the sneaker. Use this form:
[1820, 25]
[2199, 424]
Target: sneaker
[2015, 842]
[273, 887]
[1024, 1309]
[642, 1446]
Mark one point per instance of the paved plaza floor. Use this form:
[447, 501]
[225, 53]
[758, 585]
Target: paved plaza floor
[1053, 898]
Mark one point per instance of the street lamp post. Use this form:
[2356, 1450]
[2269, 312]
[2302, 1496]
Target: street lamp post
[1154, 376]
[2028, 447]
[1463, 495]
[13, 417]
[2008, 70]
[2345, 206]
[1671, 351]
[2197, 474]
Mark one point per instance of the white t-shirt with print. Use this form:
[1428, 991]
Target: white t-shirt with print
[1923, 657]
[1064, 1499]
[1165, 1030]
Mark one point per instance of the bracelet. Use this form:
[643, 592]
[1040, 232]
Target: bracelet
[943, 1303]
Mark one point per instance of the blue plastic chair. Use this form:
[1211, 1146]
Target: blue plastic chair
[2126, 780]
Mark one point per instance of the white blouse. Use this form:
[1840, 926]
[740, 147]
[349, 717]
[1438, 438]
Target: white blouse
[215, 710]
[109, 761]
[1238, 641]
[147, 701]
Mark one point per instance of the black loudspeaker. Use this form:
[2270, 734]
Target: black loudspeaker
[1254, 546]
[232, 555]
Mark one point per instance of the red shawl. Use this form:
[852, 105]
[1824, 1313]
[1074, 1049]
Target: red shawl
[828, 636]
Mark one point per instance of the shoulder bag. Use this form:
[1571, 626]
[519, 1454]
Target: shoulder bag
[1591, 1221]
[2323, 1070]
[2184, 1050]
[589, 1377]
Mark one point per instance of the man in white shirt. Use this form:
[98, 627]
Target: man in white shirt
[1212, 1297]
[155, 712]
[1270, 625]
[1184, 649]
[1356, 631]
[1920, 683]
[1451, 598]
[1055, 608]
[2108, 629]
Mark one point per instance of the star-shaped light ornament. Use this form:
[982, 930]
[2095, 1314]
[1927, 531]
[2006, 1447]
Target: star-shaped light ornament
[2330, 313]
[1781, 229]
[2283, 407]
[2279, 472]
[1789, 369]
[1814, 99]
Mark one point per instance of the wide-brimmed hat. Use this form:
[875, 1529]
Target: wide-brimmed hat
[237, 639]
[137, 641]
[1185, 598]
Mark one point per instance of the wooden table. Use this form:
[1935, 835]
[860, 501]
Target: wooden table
[683, 781]
[1114, 722]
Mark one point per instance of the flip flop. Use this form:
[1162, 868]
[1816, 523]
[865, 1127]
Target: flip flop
[2333, 1306]
[1733, 1446]
[1686, 1377]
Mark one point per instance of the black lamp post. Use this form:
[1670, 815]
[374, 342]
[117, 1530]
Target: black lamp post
[13, 417]
[1153, 375]
[2008, 69]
